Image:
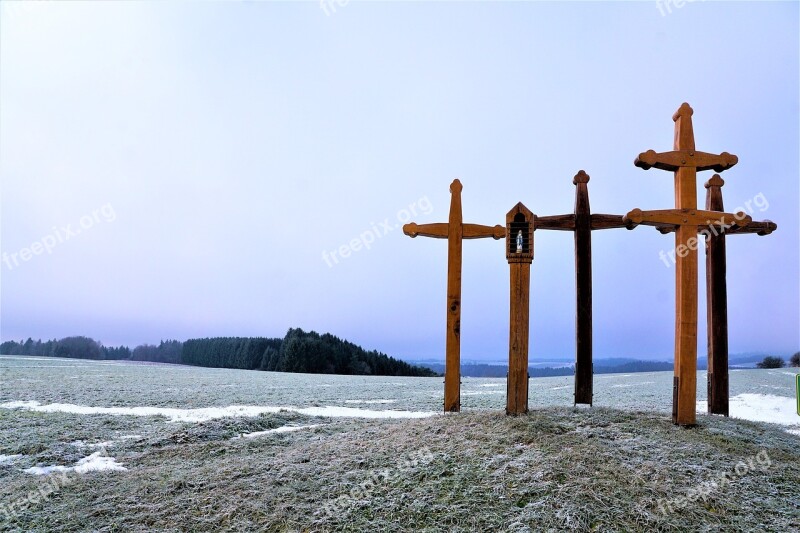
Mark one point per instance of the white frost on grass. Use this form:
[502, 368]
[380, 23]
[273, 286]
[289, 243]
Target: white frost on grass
[489, 385]
[9, 458]
[282, 429]
[370, 401]
[211, 413]
[559, 388]
[481, 392]
[762, 408]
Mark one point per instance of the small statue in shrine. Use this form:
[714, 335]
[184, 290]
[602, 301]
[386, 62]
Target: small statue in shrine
[519, 242]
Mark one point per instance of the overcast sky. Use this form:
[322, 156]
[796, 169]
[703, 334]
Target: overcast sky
[186, 169]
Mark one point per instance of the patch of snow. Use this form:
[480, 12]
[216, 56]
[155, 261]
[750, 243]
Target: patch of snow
[370, 401]
[790, 373]
[130, 437]
[82, 444]
[9, 458]
[44, 470]
[632, 384]
[283, 429]
[559, 388]
[481, 392]
[762, 408]
[96, 462]
[489, 385]
[211, 413]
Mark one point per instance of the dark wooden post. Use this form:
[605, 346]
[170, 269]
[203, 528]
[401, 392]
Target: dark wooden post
[685, 161]
[716, 307]
[519, 253]
[583, 291]
[454, 231]
[582, 222]
[717, 297]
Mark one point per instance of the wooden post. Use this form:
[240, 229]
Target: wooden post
[717, 297]
[685, 161]
[454, 231]
[519, 253]
[583, 291]
[716, 307]
[581, 223]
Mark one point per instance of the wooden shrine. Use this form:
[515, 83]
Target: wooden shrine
[685, 220]
[519, 254]
[454, 231]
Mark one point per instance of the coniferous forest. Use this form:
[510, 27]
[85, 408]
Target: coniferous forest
[298, 351]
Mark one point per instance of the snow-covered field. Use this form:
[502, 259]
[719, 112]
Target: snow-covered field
[181, 394]
[88, 445]
[191, 394]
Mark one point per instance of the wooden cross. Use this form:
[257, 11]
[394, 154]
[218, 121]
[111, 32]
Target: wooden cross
[685, 162]
[717, 295]
[454, 231]
[581, 223]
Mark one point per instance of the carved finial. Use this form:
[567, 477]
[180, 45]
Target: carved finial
[456, 186]
[715, 181]
[684, 110]
[728, 160]
[646, 160]
[580, 177]
[411, 229]
[633, 218]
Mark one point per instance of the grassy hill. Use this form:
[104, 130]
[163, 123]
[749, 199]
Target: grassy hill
[554, 469]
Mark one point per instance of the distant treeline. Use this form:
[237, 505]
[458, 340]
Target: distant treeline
[500, 371]
[298, 351]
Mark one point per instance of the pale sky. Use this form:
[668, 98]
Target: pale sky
[182, 168]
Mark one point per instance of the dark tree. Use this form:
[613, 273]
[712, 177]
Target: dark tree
[772, 362]
[795, 360]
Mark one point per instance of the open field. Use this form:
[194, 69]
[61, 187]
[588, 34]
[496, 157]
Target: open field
[111, 446]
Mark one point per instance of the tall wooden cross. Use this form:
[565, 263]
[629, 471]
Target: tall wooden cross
[454, 231]
[685, 162]
[717, 295]
[581, 223]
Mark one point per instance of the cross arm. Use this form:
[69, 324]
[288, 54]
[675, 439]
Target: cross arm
[437, 230]
[685, 158]
[760, 228]
[600, 221]
[555, 222]
[477, 231]
[685, 217]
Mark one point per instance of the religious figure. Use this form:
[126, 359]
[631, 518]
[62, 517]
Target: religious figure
[519, 242]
